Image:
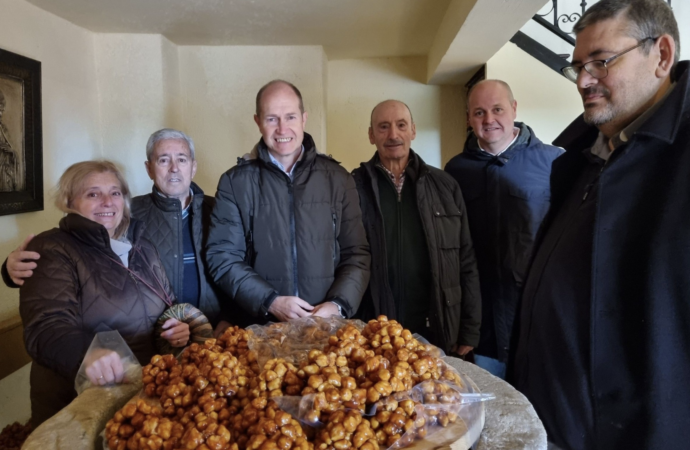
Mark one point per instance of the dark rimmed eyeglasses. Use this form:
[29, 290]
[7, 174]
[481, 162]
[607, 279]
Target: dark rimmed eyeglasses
[598, 67]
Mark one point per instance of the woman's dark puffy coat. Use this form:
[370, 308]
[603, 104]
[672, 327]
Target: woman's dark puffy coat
[77, 290]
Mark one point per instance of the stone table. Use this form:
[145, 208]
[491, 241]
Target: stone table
[510, 420]
[511, 423]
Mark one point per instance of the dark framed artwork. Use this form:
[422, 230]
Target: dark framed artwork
[21, 135]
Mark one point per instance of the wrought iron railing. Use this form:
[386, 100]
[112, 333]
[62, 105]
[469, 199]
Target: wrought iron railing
[558, 17]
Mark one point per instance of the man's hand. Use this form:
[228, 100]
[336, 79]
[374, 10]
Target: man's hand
[20, 263]
[287, 307]
[220, 328]
[326, 309]
[104, 367]
[462, 350]
[177, 333]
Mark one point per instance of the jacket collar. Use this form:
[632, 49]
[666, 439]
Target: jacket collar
[663, 124]
[260, 153]
[414, 170]
[94, 234]
[525, 137]
[172, 204]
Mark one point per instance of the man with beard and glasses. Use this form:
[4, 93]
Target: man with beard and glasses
[424, 272]
[603, 332]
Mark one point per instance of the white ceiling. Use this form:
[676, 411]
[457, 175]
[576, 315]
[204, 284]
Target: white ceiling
[345, 28]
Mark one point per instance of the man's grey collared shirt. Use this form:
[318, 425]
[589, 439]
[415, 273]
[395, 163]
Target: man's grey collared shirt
[281, 167]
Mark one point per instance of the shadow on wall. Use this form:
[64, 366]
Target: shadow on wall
[453, 121]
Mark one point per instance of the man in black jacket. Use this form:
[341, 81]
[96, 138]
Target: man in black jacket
[286, 237]
[603, 330]
[424, 272]
[176, 214]
[503, 173]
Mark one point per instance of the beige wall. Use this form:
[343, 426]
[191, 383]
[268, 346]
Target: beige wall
[547, 102]
[138, 92]
[71, 132]
[71, 126]
[355, 86]
[219, 86]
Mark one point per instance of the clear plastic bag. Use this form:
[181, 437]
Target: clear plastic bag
[439, 406]
[292, 340]
[432, 349]
[136, 402]
[111, 347]
[423, 412]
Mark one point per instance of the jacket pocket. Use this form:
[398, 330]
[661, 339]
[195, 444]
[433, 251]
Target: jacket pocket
[529, 194]
[447, 223]
[335, 247]
[335, 234]
[249, 242]
[472, 192]
[452, 298]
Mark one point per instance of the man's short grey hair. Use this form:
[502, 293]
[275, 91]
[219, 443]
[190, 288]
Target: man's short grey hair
[164, 135]
[511, 97]
[647, 19]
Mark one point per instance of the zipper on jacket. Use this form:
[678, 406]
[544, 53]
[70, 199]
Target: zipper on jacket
[401, 285]
[589, 187]
[249, 241]
[251, 228]
[335, 238]
[293, 239]
[434, 318]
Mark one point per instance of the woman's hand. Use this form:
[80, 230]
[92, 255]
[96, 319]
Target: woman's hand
[176, 332]
[104, 367]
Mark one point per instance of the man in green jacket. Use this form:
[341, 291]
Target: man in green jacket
[424, 272]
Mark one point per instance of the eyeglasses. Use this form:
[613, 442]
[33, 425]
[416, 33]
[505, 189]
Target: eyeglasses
[598, 67]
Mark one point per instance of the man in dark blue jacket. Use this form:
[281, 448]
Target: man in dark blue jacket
[503, 172]
[604, 326]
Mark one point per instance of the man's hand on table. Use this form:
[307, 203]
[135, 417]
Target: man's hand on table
[461, 350]
[289, 307]
[326, 309]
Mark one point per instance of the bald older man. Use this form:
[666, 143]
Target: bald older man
[423, 272]
[503, 172]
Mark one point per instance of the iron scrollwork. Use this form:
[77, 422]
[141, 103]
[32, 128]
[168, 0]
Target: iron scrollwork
[554, 23]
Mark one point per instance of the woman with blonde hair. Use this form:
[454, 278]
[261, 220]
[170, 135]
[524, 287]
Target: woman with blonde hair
[96, 274]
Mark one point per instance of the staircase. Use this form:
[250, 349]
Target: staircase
[548, 36]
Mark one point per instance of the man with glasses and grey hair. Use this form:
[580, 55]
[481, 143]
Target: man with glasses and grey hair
[177, 216]
[604, 325]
